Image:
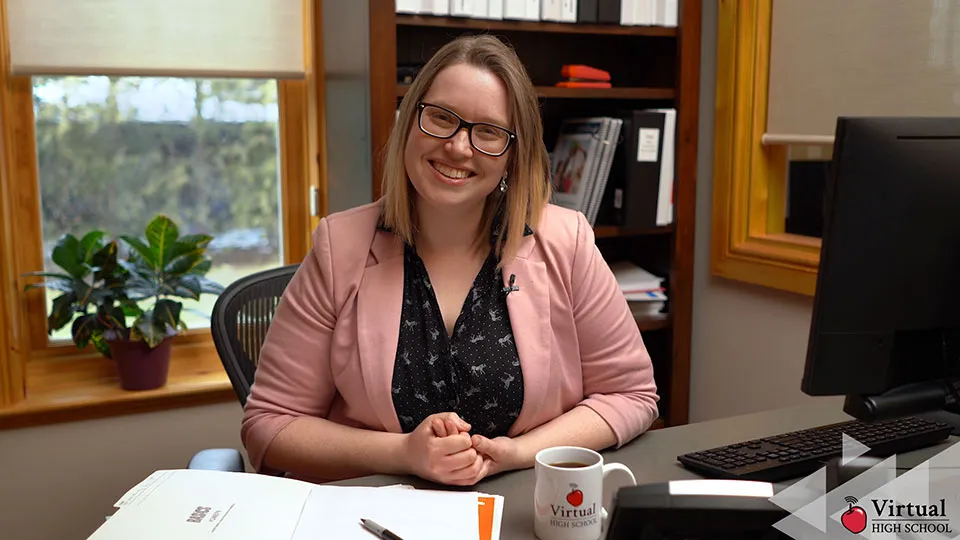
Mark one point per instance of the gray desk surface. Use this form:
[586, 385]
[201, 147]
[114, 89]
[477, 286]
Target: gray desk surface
[653, 457]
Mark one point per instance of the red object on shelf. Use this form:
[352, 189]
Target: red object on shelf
[582, 72]
[583, 84]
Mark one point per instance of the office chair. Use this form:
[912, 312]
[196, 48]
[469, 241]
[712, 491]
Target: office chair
[239, 323]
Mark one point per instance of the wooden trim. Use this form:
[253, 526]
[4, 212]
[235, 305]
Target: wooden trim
[88, 387]
[685, 207]
[647, 322]
[531, 26]
[614, 231]
[296, 158]
[12, 361]
[383, 78]
[749, 179]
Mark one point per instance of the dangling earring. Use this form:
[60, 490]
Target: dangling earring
[503, 184]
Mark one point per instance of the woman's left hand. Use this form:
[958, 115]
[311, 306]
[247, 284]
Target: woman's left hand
[499, 455]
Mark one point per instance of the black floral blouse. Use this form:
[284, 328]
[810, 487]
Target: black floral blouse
[475, 372]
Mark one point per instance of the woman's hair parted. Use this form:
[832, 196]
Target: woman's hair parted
[528, 171]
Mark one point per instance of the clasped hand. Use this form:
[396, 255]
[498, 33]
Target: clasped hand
[442, 450]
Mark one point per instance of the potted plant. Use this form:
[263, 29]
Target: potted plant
[107, 290]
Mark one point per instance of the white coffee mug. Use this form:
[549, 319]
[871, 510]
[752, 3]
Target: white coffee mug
[568, 497]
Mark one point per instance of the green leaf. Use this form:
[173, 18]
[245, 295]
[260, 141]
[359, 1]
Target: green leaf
[148, 331]
[61, 312]
[111, 317]
[68, 254]
[56, 282]
[209, 286]
[101, 344]
[150, 258]
[203, 267]
[162, 234]
[181, 248]
[83, 292]
[82, 329]
[90, 244]
[140, 289]
[131, 309]
[196, 240]
[105, 260]
[184, 263]
[167, 312]
[189, 287]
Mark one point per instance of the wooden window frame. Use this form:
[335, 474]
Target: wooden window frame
[749, 241]
[42, 383]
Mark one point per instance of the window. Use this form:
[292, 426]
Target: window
[226, 143]
[114, 151]
[750, 238]
[785, 71]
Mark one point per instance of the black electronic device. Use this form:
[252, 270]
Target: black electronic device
[885, 330]
[799, 453]
[696, 510]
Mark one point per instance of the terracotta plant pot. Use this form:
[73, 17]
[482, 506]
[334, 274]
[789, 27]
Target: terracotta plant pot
[140, 367]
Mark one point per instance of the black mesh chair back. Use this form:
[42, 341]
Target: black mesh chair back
[240, 319]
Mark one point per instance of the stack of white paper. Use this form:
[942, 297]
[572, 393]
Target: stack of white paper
[640, 286]
[335, 512]
[197, 504]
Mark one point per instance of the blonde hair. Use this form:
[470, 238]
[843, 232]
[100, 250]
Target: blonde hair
[528, 171]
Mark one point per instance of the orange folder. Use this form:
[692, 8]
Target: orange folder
[489, 512]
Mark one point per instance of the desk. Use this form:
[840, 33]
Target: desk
[653, 457]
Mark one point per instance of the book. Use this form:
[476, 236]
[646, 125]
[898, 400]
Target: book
[574, 160]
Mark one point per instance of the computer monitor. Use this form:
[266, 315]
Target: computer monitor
[885, 330]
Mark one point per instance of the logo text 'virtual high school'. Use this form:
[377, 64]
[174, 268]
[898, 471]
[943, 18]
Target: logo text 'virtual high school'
[922, 502]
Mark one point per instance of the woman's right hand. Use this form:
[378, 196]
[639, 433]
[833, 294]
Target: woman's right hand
[440, 450]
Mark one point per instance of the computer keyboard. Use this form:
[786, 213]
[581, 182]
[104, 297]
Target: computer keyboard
[799, 453]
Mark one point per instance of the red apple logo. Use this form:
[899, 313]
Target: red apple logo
[575, 497]
[855, 518]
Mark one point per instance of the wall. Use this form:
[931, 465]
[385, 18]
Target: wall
[346, 64]
[748, 342]
[57, 482]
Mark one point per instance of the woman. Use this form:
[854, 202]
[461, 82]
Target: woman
[460, 324]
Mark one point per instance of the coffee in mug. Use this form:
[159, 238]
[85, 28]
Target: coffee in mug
[568, 497]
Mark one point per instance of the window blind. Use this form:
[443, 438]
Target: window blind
[832, 58]
[208, 38]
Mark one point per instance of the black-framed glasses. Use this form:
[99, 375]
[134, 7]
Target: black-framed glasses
[442, 123]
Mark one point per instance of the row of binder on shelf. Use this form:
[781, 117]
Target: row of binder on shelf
[623, 12]
[617, 170]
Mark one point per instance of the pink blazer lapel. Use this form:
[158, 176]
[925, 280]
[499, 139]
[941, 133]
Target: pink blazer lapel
[379, 304]
[529, 309]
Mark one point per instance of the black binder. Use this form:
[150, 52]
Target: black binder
[630, 199]
[587, 11]
[608, 11]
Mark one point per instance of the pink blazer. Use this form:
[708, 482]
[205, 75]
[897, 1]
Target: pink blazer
[331, 347]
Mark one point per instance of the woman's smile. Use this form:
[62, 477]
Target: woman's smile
[450, 174]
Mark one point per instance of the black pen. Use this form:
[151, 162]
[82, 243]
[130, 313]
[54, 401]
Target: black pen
[378, 530]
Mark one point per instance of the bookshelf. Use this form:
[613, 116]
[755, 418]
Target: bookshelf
[652, 67]
[589, 93]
